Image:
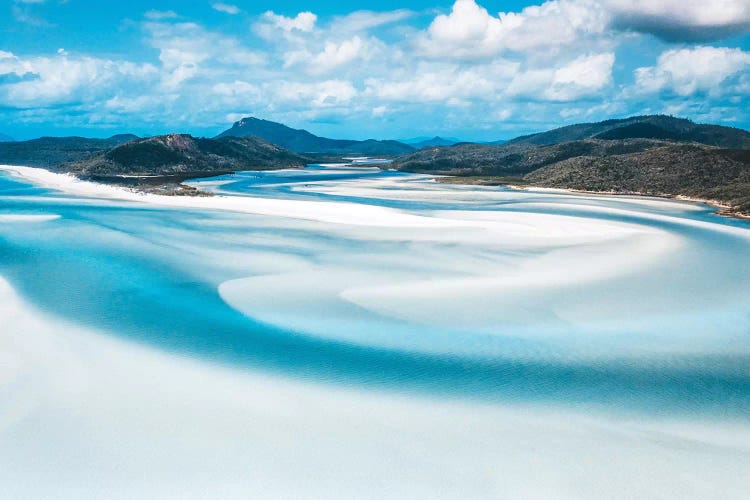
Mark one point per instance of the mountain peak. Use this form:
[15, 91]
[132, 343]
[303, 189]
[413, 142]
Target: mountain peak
[421, 142]
[302, 141]
[247, 121]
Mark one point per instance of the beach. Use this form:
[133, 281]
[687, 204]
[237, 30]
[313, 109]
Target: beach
[335, 333]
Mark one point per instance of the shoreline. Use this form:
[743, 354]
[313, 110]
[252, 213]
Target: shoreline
[165, 185]
[334, 212]
[722, 209]
[160, 194]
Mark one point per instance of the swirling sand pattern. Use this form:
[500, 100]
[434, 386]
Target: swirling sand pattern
[301, 318]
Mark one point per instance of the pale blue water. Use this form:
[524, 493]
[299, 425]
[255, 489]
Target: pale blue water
[151, 274]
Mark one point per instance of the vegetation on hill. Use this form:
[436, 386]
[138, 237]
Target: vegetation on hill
[178, 153]
[643, 127]
[656, 155]
[690, 170]
[481, 159]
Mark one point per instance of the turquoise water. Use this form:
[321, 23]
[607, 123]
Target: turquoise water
[670, 335]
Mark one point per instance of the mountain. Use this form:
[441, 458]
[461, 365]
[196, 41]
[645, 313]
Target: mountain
[643, 127]
[52, 151]
[6, 138]
[655, 155]
[302, 141]
[423, 142]
[184, 154]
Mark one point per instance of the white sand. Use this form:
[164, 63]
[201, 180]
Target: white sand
[28, 218]
[488, 271]
[83, 415]
[86, 415]
[329, 212]
[420, 187]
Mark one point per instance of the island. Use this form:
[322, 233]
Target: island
[652, 155]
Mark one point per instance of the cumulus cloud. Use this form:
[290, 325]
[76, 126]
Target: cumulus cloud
[62, 78]
[682, 20]
[338, 54]
[689, 71]
[582, 78]
[445, 83]
[317, 49]
[466, 67]
[271, 22]
[184, 47]
[469, 31]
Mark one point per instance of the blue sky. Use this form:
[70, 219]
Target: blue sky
[478, 70]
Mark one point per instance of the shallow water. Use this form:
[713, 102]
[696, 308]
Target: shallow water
[652, 311]
[624, 307]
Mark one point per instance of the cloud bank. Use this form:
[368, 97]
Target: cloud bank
[462, 69]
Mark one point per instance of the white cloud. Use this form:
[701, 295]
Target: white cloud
[503, 114]
[331, 57]
[584, 77]
[581, 78]
[303, 22]
[235, 94]
[62, 78]
[236, 88]
[337, 54]
[333, 46]
[185, 47]
[467, 68]
[469, 31]
[449, 84]
[687, 71]
[226, 8]
[318, 94]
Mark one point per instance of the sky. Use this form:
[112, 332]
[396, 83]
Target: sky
[386, 69]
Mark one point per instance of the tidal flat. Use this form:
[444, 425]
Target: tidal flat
[357, 332]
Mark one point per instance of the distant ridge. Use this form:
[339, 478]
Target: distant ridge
[6, 138]
[660, 127]
[52, 151]
[302, 141]
[424, 142]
